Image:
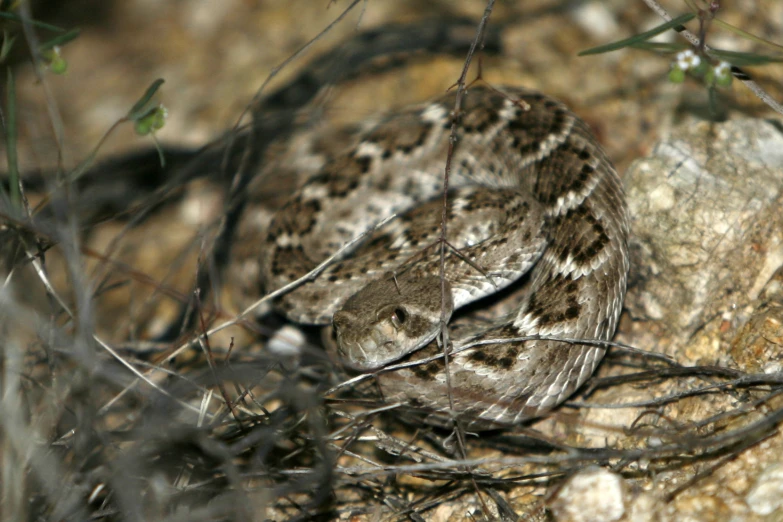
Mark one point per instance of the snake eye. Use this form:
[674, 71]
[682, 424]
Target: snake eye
[398, 317]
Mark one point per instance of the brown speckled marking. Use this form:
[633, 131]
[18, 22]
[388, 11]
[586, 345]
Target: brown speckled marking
[343, 175]
[287, 262]
[590, 236]
[304, 215]
[555, 301]
[409, 134]
[426, 372]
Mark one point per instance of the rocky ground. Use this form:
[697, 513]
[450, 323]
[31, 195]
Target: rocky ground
[699, 440]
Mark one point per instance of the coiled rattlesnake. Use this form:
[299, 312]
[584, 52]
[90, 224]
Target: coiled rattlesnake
[531, 194]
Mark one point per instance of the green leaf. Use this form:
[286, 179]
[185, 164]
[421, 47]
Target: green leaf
[743, 59]
[639, 37]
[660, 47]
[58, 41]
[16, 18]
[746, 34]
[140, 109]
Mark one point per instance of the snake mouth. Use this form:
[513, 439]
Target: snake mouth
[359, 362]
[369, 354]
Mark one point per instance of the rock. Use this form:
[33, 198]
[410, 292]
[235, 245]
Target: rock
[766, 495]
[592, 494]
[707, 231]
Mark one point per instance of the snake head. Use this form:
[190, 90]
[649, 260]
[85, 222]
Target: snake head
[388, 319]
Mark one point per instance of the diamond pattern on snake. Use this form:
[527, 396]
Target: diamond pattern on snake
[532, 197]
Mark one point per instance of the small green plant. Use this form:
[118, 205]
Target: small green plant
[147, 117]
[152, 121]
[50, 54]
[717, 73]
[714, 67]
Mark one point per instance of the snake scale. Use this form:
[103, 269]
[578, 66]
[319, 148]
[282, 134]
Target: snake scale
[532, 198]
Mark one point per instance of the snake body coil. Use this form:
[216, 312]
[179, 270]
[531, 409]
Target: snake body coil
[532, 195]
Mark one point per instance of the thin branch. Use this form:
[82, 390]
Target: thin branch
[139, 376]
[444, 332]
